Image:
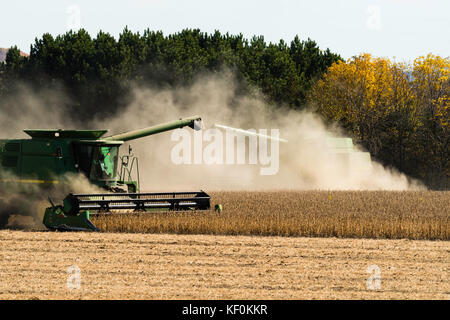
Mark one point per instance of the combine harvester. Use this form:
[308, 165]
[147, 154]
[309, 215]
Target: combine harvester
[50, 155]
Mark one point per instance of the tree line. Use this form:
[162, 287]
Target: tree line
[398, 112]
[97, 72]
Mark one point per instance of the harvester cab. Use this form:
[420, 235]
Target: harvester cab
[98, 161]
[48, 158]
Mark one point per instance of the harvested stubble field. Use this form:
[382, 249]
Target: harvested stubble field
[285, 257]
[343, 214]
[34, 265]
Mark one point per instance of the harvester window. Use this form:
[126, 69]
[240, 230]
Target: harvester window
[84, 155]
[104, 163]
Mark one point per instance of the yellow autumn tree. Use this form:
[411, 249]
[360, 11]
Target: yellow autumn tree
[432, 96]
[432, 86]
[369, 96]
[392, 108]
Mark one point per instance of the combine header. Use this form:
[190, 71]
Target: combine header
[50, 155]
[77, 208]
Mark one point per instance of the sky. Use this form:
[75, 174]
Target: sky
[398, 29]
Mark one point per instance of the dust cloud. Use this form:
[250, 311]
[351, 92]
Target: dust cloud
[31, 109]
[22, 205]
[305, 162]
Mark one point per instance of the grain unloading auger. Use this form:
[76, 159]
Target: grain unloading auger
[51, 156]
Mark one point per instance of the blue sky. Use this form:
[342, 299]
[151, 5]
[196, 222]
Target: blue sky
[404, 29]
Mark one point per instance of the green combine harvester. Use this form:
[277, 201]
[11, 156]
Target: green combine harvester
[49, 156]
